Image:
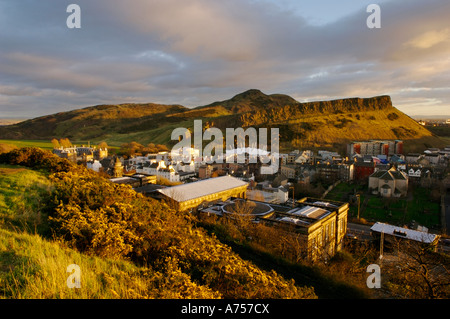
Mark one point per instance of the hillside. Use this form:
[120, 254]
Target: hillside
[54, 213]
[311, 124]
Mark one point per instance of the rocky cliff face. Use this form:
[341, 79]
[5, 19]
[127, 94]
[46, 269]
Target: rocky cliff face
[348, 105]
[282, 113]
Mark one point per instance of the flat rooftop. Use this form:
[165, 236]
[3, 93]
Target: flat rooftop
[404, 232]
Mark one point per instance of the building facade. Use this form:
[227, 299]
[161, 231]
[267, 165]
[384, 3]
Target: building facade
[389, 183]
[375, 147]
[322, 224]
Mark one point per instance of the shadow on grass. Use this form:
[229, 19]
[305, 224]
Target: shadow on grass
[324, 286]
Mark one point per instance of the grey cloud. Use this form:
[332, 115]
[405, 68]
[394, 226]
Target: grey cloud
[194, 52]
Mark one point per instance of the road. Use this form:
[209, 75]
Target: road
[361, 231]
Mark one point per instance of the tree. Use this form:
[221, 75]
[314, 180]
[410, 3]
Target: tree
[103, 145]
[65, 142]
[418, 271]
[162, 148]
[55, 143]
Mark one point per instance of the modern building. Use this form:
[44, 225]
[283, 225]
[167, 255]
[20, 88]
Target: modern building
[375, 147]
[278, 195]
[189, 196]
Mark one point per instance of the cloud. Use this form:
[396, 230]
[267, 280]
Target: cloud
[431, 38]
[194, 52]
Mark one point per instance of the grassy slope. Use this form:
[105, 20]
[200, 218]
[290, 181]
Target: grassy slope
[329, 129]
[44, 144]
[32, 267]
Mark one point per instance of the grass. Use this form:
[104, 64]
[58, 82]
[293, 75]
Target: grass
[34, 268]
[21, 192]
[47, 145]
[418, 206]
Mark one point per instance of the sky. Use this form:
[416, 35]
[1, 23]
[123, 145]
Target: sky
[195, 52]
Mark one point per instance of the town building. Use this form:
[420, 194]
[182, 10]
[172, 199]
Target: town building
[375, 147]
[81, 153]
[189, 196]
[363, 168]
[321, 224]
[160, 169]
[135, 180]
[389, 183]
[118, 168]
[412, 158]
[205, 171]
[289, 170]
[334, 172]
[94, 165]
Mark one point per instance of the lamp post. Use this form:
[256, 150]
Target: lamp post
[293, 199]
[359, 200]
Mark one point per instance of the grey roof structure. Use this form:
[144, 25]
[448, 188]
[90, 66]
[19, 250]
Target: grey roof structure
[404, 233]
[185, 192]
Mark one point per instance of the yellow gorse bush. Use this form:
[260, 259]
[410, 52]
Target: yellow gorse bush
[100, 218]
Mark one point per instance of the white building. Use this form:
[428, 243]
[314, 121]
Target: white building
[275, 195]
[159, 169]
[94, 165]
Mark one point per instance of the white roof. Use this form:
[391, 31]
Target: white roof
[309, 211]
[409, 233]
[209, 186]
[293, 220]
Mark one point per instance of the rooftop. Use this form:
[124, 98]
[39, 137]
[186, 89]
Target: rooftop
[309, 211]
[185, 192]
[404, 232]
[240, 206]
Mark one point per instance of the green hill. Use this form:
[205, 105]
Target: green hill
[312, 124]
